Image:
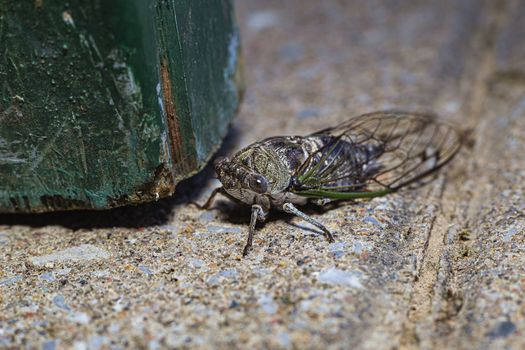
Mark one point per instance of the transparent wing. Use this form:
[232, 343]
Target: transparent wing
[374, 154]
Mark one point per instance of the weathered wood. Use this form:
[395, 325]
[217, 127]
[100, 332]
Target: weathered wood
[105, 103]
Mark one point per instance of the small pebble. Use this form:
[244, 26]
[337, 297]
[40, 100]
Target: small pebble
[234, 304]
[220, 276]
[60, 302]
[196, 263]
[359, 247]
[337, 249]
[96, 342]
[228, 273]
[372, 220]
[80, 345]
[170, 228]
[119, 305]
[51, 275]
[508, 236]
[3, 238]
[49, 345]
[146, 270]
[223, 229]
[47, 276]
[101, 273]
[153, 344]
[206, 217]
[267, 304]
[339, 277]
[4, 341]
[84, 252]
[284, 339]
[11, 280]
[502, 330]
[62, 272]
[80, 318]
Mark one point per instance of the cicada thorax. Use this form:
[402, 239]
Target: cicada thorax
[263, 160]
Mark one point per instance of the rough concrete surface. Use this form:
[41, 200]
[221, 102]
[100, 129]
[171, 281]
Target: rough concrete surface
[442, 266]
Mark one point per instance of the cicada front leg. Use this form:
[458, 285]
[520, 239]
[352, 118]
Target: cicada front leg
[290, 208]
[257, 214]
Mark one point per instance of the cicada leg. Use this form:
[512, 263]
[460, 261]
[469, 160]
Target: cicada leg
[257, 213]
[290, 208]
[210, 199]
[323, 201]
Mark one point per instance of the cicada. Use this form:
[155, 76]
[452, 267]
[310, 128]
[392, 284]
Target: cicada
[367, 156]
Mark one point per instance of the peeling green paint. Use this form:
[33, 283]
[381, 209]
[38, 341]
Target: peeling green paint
[110, 103]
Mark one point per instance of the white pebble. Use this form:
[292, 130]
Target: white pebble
[82, 252]
[339, 277]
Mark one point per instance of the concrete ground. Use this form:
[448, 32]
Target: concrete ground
[442, 266]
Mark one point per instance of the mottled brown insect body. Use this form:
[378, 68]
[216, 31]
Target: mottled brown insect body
[367, 156]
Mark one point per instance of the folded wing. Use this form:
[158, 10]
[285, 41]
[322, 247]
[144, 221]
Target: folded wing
[376, 153]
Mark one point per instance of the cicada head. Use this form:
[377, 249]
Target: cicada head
[241, 181]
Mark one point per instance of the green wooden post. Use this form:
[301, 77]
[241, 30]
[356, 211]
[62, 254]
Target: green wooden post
[105, 103]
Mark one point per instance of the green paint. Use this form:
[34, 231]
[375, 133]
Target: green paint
[83, 122]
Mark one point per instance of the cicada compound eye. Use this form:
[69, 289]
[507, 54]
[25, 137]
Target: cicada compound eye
[258, 183]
